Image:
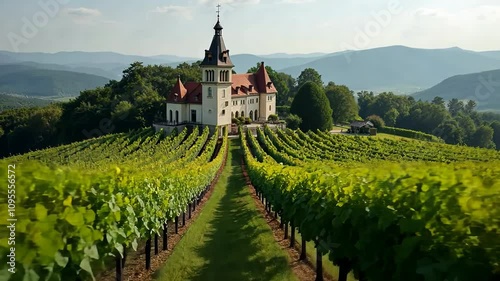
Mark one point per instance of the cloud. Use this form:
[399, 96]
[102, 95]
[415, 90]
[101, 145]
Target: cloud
[83, 12]
[183, 11]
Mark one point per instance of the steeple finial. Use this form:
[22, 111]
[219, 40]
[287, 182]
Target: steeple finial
[218, 11]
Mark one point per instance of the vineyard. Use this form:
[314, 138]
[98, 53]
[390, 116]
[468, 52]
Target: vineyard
[78, 204]
[384, 209]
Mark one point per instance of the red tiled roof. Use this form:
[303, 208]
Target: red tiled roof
[242, 85]
[194, 92]
[264, 82]
[178, 92]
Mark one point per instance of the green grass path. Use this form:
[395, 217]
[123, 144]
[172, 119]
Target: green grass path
[230, 240]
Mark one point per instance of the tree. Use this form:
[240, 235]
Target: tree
[293, 121]
[342, 102]
[483, 137]
[365, 100]
[391, 116]
[450, 132]
[455, 106]
[495, 125]
[470, 106]
[309, 75]
[313, 107]
[439, 101]
[377, 121]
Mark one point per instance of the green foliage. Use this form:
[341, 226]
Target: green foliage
[11, 102]
[377, 121]
[406, 221]
[293, 121]
[136, 101]
[495, 125]
[342, 102]
[313, 107]
[80, 203]
[309, 75]
[248, 120]
[482, 137]
[409, 134]
[273, 118]
[283, 110]
[450, 132]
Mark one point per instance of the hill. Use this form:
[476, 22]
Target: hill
[10, 102]
[464, 87]
[36, 82]
[396, 68]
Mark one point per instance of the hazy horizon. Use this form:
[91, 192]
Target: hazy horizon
[262, 27]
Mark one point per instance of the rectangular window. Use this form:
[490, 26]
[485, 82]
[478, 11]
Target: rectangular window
[223, 112]
[227, 103]
[257, 99]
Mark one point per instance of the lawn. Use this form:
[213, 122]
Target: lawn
[230, 240]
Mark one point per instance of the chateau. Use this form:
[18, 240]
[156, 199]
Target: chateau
[221, 95]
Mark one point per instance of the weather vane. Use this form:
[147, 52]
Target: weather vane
[218, 11]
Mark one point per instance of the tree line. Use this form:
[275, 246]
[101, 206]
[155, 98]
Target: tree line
[138, 100]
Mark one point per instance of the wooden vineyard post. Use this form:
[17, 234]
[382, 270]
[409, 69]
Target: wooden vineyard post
[176, 224]
[119, 267]
[189, 212]
[343, 272]
[148, 253]
[286, 230]
[124, 257]
[165, 236]
[292, 234]
[156, 244]
[319, 263]
[184, 218]
[303, 252]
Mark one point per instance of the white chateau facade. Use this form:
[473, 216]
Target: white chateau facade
[221, 95]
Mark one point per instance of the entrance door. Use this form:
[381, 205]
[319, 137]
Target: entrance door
[193, 116]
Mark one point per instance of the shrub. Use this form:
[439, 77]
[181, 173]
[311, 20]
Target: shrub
[248, 120]
[313, 107]
[377, 121]
[293, 121]
[273, 118]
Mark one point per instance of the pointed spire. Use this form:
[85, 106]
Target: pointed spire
[178, 91]
[264, 81]
[217, 54]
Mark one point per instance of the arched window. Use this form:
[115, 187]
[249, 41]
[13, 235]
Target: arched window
[232, 115]
[170, 115]
[256, 115]
[227, 75]
[269, 108]
[207, 75]
[210, 95]
[223, 93]
[237, 114]
[242, 114]
[251, 115]
[176, 116]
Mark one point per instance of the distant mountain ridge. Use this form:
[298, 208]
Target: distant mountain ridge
[36, 82]
[482, 87]
[400, 69]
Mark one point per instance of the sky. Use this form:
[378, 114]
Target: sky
[185, 28]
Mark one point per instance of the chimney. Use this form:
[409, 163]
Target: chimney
[237, 89]
[250, 88]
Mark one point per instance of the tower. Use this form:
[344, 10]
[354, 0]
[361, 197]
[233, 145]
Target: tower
[216, 82]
